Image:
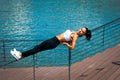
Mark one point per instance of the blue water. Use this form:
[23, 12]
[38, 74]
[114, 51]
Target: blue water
[43, 19]
[32, 19]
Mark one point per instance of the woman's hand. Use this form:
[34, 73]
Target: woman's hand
[65, 43]
[68, 45]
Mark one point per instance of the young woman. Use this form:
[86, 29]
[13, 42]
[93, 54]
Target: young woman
[68, 38]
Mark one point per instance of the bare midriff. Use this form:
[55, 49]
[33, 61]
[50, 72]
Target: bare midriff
[61, 38]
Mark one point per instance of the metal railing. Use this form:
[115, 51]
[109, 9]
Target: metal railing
[105, 36]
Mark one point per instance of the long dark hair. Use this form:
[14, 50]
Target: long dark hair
[88, 34]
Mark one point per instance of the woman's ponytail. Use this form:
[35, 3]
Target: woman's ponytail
[88, 34]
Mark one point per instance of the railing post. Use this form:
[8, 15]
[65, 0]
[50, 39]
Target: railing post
[103, 38]
[33, 67]
[69, 64]
[4, 50]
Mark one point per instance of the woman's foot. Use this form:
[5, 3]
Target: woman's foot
[16, 54]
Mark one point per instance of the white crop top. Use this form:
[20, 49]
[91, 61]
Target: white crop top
[67, 34]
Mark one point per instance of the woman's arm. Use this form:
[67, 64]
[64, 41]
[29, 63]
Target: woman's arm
[68, 45]
[73, 42]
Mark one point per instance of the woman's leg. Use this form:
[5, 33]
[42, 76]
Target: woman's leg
[45, 45]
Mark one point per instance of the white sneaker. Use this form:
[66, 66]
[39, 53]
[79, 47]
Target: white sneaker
[16, 54]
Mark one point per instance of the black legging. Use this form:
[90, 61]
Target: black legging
[45, 45]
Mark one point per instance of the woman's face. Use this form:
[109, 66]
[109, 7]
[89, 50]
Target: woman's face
[82, 31]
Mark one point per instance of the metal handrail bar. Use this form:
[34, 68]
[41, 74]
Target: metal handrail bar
[105, 25]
